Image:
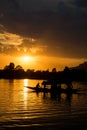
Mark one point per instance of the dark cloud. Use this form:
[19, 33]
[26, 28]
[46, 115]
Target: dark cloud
[81, 3]
[61, 25]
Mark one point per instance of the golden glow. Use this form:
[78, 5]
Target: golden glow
[10, 39]
[25, 93]
[39, 62]
[27, 58]
[25, 89]
[25, 82]
[27, 62]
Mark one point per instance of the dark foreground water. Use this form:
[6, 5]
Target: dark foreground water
[20, 108]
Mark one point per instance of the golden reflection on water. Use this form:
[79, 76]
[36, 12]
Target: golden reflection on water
[25, 89]
[26, 82]
[18, 102]
[29, 97]
[25, 93]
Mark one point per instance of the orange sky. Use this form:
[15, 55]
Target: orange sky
[39, 62]
[31, 53]
[51, 33]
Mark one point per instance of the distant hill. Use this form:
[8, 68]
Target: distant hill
[82, 66]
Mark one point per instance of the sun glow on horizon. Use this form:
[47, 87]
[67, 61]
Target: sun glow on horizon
[26, 58]
[39, 62]
[27, 61]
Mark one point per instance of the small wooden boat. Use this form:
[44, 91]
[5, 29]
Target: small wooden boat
[39, 89]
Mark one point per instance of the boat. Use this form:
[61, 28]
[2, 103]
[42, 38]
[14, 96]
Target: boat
[39, 89]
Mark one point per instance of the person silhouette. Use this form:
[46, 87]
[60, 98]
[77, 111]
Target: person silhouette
[37, 86]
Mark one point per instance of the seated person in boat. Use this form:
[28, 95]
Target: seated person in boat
[38, 85]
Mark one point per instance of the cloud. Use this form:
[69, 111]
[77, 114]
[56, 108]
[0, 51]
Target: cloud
[81, 3]
[10, 39]
[56, 27]
[13, 44]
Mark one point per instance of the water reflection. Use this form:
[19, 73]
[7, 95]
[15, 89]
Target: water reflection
[20, 106]
[59, 98]
[26, 82]
[25, 93]
[25, 89]
[11, 81]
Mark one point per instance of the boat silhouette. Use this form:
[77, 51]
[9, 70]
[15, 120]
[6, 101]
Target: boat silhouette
[61, 90]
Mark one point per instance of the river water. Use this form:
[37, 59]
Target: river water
[20, 107]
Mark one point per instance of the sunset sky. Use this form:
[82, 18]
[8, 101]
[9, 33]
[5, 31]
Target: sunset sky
[42, 34]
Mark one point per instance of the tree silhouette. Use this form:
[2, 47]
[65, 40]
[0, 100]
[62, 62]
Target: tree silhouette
[18, 67]
[9, 67]
[54, 70]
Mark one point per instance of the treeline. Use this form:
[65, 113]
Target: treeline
[12, 72]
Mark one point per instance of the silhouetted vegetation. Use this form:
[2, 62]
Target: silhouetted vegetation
[68, 74]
